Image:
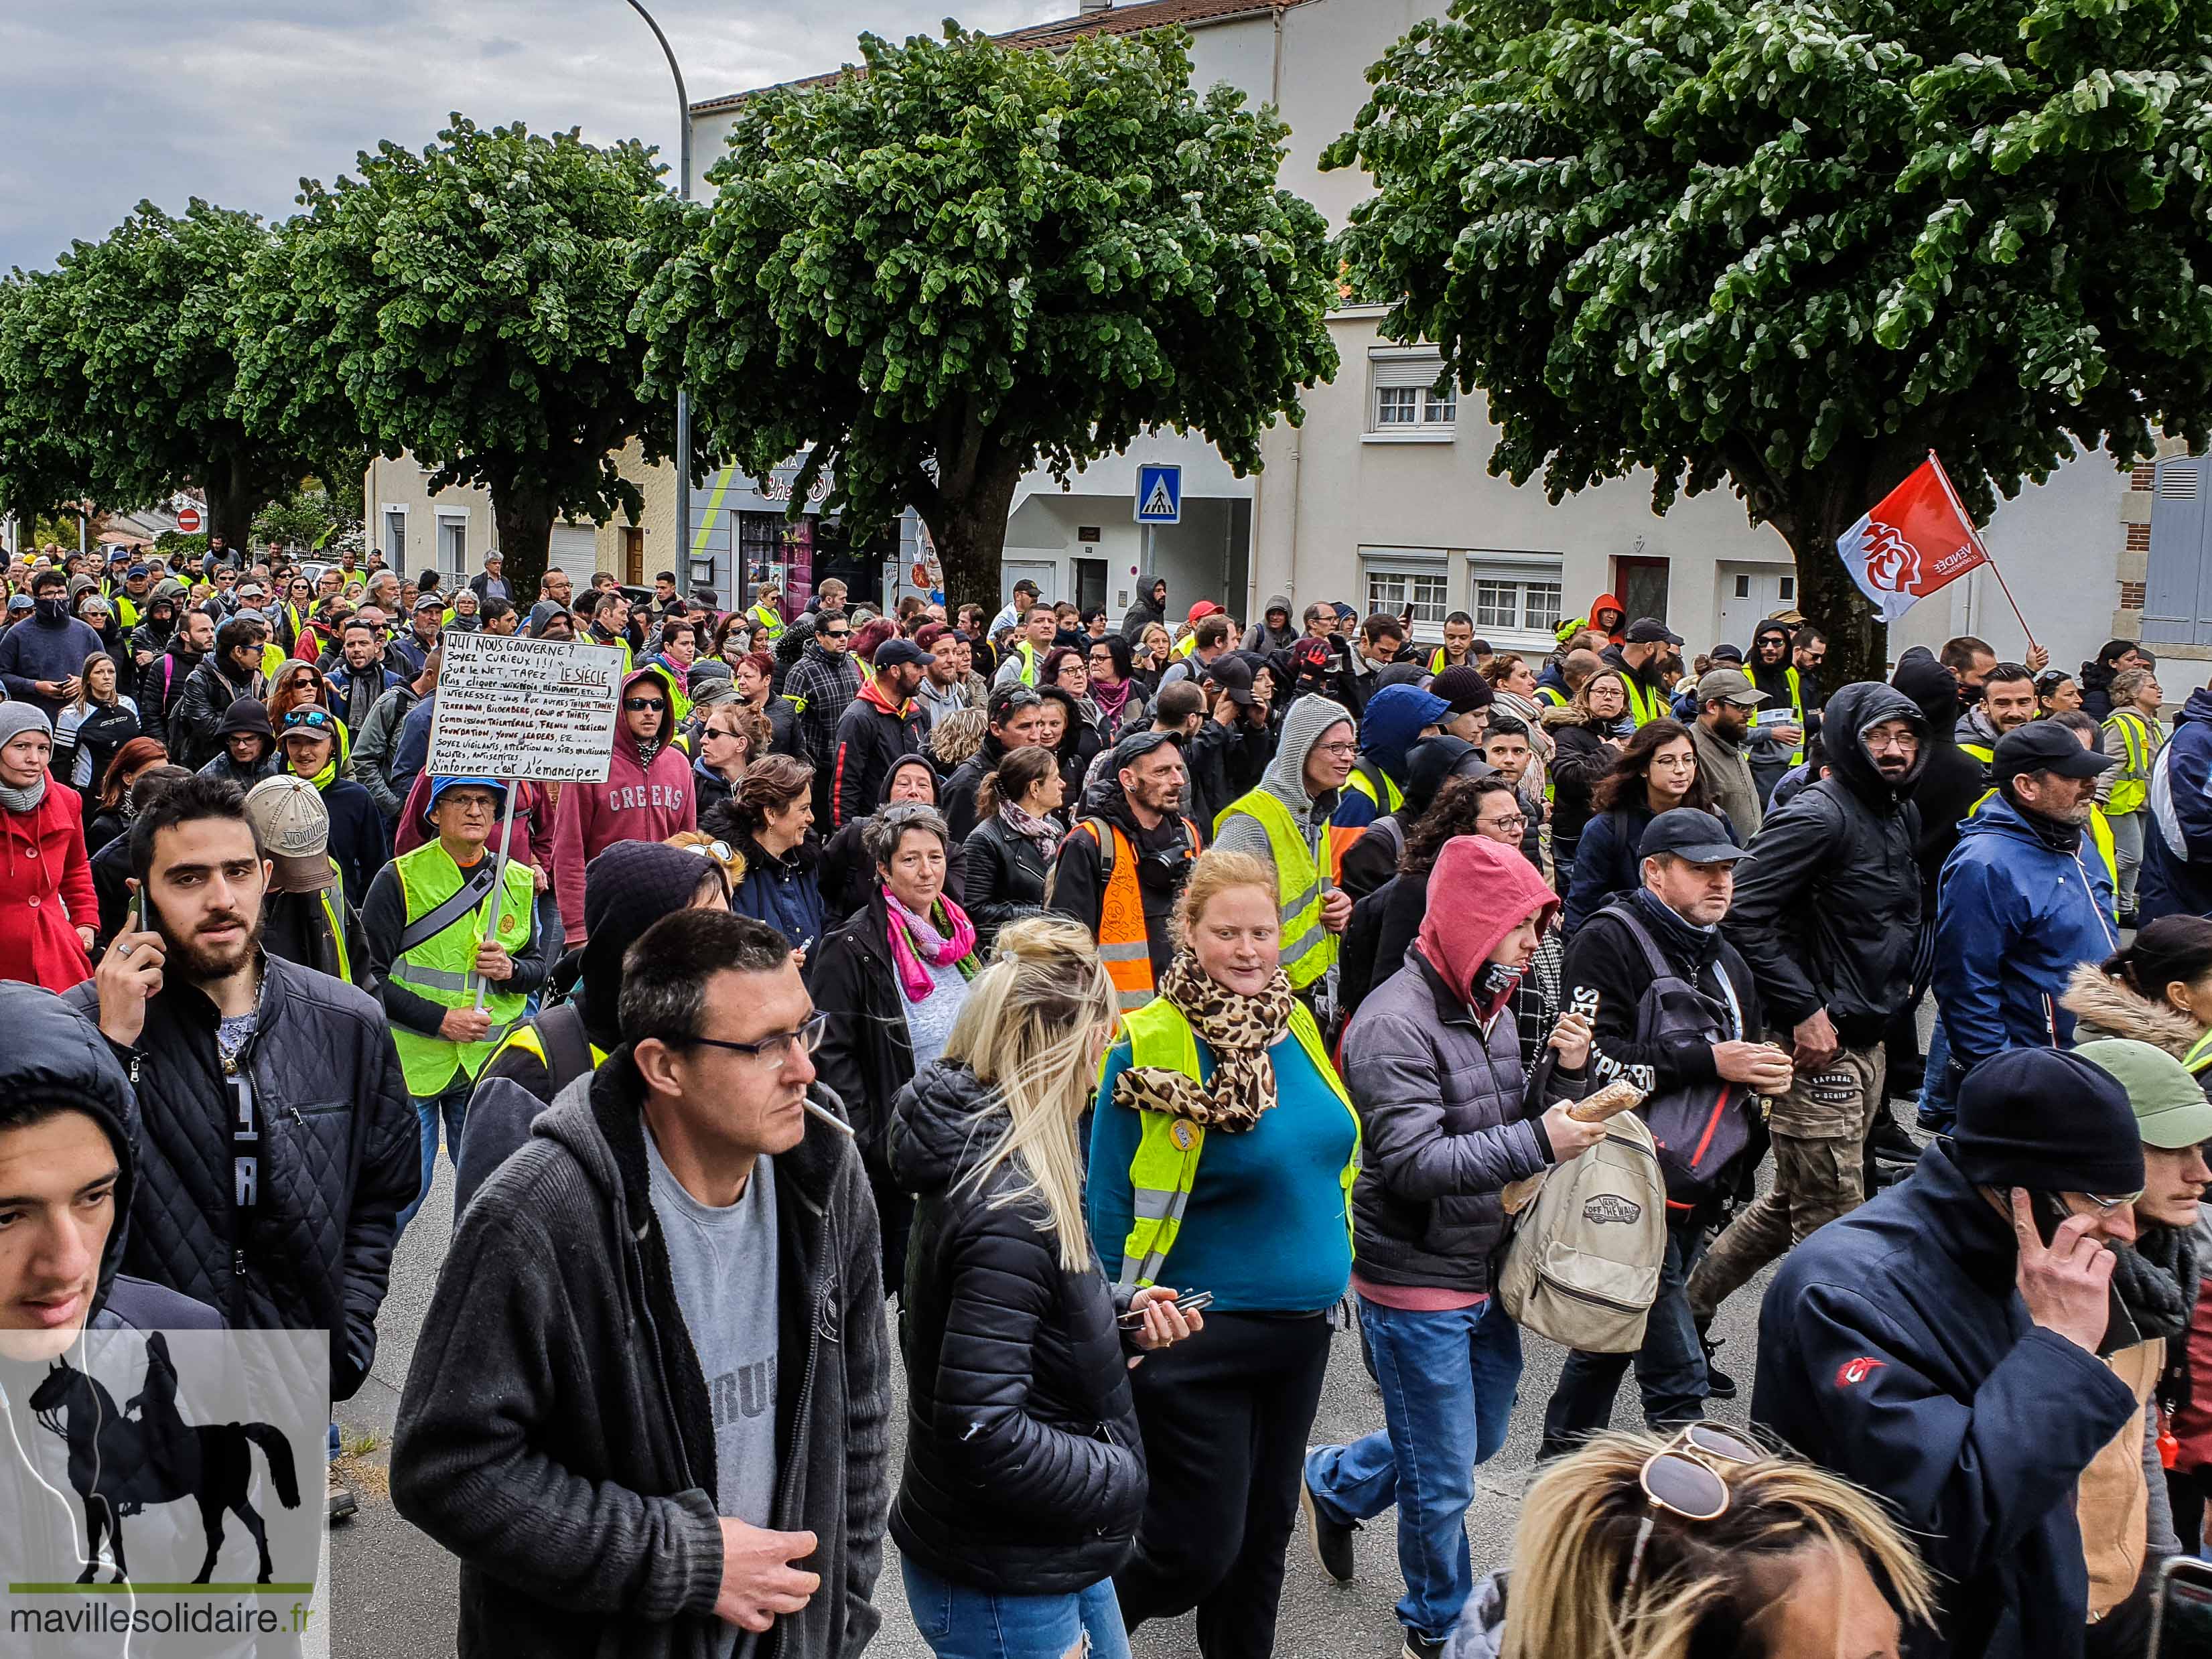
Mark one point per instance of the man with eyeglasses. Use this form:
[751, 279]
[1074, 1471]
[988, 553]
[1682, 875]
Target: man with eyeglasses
[433, 945]
[820, 685]
[669, 1351]
[1939, 1345]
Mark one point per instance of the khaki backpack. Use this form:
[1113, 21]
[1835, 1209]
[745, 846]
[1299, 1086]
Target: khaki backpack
[1583, 1268]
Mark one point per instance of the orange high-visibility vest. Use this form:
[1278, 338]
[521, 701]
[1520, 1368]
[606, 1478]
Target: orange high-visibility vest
[1122, 944]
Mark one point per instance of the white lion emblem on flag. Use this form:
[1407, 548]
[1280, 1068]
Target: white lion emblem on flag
[1892, 562]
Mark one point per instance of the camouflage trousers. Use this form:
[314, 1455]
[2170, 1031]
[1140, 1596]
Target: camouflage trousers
[1820, 1130]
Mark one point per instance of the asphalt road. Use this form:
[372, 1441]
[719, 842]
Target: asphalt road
[393, 1589]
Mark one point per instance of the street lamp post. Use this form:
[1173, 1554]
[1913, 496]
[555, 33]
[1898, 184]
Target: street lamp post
[683, 396]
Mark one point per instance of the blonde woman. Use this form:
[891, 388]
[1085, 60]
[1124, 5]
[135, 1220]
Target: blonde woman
[1221, 1105]
[1023, 1484]
[1635, 1548]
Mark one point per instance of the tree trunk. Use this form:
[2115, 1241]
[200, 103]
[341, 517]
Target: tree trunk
[1831, 501]
[232, 502]
[970, 531]
[522, 516]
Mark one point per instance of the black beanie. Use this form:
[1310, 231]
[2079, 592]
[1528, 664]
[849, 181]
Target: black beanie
[627, 888]
[2049, 1121]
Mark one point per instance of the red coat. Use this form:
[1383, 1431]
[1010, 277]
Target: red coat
[46, 892]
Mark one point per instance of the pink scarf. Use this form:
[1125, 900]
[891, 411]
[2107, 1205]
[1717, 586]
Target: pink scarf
[916, 940]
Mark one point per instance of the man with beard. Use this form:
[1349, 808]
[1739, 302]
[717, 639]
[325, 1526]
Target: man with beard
[1828, 917]
[1777, 742]
[2007, 702]
[359, 678]
[1725, 698]
[2018, 913]
[877, 726]
[275, 1144]
[1120, 871]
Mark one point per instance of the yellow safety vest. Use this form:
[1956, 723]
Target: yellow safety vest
[1308, 949]
[1986, 753]
[1166, 1161]
[2200, 1055]
[1365, 776]
[2101, 836]
[2132, 788]
[766, 621]
[1552, 694]
[1439, 661]
[525, 1036]
[1645, 707]
[1027, 674]
[1798, 709]
[442, 969]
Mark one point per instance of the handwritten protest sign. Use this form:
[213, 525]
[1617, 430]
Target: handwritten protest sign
[511, 707]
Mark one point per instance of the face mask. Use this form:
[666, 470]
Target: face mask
[53, 610]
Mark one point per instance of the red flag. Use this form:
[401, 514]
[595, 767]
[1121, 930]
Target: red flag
[1917, 540]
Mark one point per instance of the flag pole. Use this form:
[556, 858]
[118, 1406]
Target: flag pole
[498, 881]
[1965, 519]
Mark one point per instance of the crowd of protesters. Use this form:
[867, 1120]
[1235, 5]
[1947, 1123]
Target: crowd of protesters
[1139, 1007]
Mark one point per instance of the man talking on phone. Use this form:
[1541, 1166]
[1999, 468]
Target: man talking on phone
[1942, 1345]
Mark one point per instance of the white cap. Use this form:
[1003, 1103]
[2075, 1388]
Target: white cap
[294, 829]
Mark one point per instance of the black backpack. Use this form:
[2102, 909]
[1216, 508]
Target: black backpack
[1699, 1128]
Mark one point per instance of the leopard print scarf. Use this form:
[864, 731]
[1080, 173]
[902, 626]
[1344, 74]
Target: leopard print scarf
[1240, 1030]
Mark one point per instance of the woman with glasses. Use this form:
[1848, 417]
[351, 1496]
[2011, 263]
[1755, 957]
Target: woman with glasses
[647, 796]
[1023, 1482]
[1656, 771]
[892, 981]
[1703, 1544]
[1222, 1153]
[1120, 700]
[769, 820]
[92, 726]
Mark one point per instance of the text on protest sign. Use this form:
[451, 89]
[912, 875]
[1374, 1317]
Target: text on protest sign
[525, 709]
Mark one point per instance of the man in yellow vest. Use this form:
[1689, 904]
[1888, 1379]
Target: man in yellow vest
[2008, 703]
[446, 922]
[1119, 872]
[1287, 820]
[1638, 656]
[1461, 649]
[1026, 654]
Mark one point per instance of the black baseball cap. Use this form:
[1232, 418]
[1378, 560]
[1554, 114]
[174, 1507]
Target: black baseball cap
[1684, 832]
[1235, 677]
[895, 651]
[2046, 746]
[1650, 630]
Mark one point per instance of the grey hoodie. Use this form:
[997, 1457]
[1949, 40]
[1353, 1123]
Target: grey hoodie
[1262, 638]
[1286, 780]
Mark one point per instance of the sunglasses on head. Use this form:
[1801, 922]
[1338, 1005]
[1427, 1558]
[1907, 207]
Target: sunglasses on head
[1684, 1478]
[308, 720]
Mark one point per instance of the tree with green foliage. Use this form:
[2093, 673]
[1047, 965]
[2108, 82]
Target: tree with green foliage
[964, 261]
[469, 305]
[1791, 247]
[117, 369]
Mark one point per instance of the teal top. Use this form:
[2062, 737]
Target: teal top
[1265, 1230]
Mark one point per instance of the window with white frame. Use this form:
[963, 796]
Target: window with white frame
[1514, 594]
[1405, 400]
[395, 537]
[453, 542]
[1397, 577]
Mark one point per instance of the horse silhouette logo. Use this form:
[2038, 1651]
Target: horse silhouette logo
[1892, 563]
[121, 1461]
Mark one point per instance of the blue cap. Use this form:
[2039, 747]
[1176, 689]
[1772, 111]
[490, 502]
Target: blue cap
[439, 785]
[136, 570]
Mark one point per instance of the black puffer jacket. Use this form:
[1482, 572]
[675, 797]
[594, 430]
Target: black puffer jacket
[1950, 780]
[340, 1158]
[1827, 908]
[1004, 880]
[1024, 1474]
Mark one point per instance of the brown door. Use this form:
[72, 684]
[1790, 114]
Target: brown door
[633, 556]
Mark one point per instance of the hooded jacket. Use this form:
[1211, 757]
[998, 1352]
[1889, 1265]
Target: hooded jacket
[340, 1157]
[1164, 860]
[2177, 863]
[956, 800]
[1308, 719]
[1388, 728]
[1264, 636]
[871, 737]
[1445, 1106]
[1828, 909]
[643, 799]
[1602, 603]
[842, 869]
[1950, 780]
[2016, 915]
[1766, 756]
[1151, 606]
[1894, 1349]
[245, 717]
[1024, 1469]
[557, 1433]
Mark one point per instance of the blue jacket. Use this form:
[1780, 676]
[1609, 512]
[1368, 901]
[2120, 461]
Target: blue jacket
[785, 893]
[1388, 726]
[2014, 916]
[1894, 1350]
[2177, 863]
[1606, 861]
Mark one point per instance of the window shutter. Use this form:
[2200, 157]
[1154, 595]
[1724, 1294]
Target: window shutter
[1421, 371]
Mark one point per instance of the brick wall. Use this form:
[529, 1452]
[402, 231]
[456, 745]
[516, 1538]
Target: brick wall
[2138, 538]
[2131, 596]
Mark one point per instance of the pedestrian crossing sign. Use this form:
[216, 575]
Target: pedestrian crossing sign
[1159, 494]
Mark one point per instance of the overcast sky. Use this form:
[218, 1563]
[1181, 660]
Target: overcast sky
[104, 103]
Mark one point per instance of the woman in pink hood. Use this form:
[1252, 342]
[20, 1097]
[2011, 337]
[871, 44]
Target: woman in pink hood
[647, 797]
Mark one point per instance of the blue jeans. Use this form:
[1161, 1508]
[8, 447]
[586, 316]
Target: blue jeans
[453, 1106]
[1670, 1366]
[1449, 1383]
[1939, 1093]
[959, 1622]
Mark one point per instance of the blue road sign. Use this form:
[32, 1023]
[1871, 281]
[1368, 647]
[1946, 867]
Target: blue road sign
[1159, 494]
